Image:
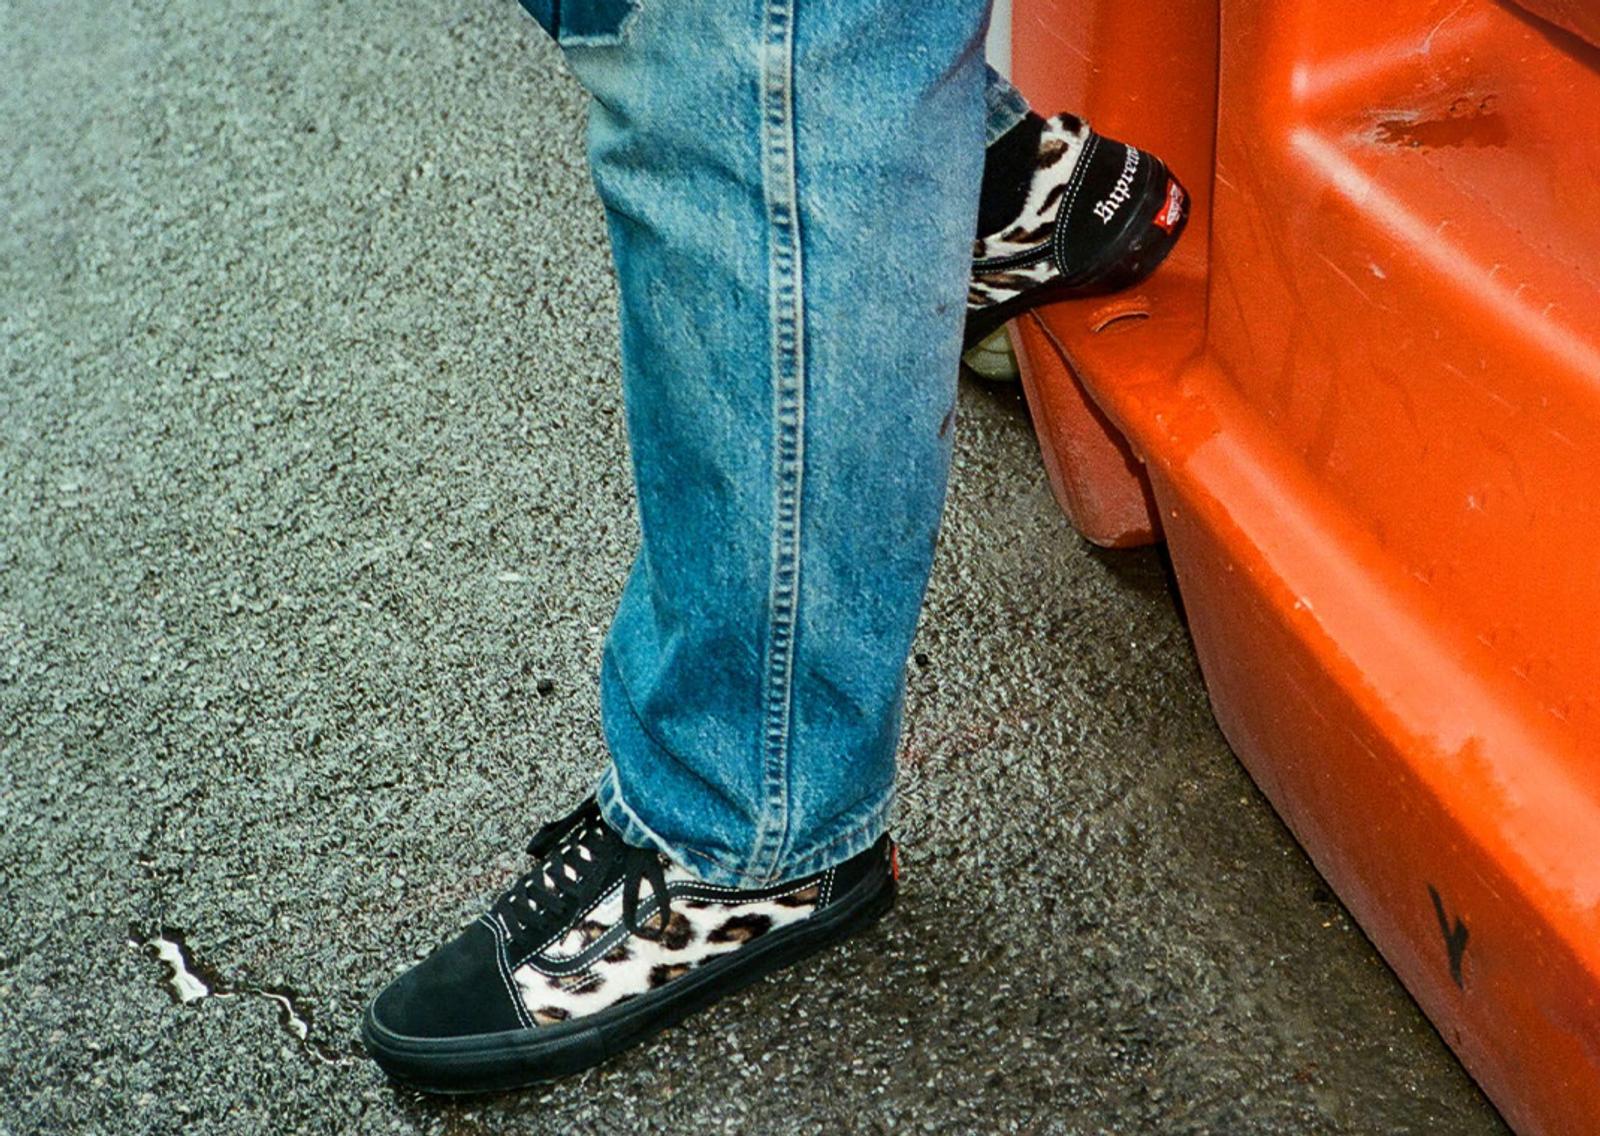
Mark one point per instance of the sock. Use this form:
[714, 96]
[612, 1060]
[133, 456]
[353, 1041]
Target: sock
[1008, 166]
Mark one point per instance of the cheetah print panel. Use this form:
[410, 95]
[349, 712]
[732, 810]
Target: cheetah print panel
[1060, 145]
[553, 989]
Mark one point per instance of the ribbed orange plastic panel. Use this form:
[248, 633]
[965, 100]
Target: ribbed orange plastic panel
[1580, 17]
[1367, 393]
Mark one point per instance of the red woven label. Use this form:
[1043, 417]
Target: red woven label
[1172, 212]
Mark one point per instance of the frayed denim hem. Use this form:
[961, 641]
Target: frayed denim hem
[860, 829]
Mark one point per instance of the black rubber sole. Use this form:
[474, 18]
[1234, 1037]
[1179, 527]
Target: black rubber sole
[518, 1058]
[1137, 252]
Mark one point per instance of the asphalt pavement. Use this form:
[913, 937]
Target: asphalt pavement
[313, 509]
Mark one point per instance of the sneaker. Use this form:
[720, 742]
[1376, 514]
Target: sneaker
[993, 358]
[1090, 215]
[579, 960]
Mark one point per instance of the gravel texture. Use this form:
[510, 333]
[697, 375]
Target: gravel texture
[313, 510]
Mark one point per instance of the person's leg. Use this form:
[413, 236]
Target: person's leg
[789, 347]
[789, 362]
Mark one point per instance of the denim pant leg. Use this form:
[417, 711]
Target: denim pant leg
[1003, 104]
[791, 188]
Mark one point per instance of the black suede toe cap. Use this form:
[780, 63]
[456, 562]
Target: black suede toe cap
[457, 991]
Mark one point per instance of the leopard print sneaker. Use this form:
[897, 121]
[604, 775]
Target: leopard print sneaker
[1098, 216]
[578, 960]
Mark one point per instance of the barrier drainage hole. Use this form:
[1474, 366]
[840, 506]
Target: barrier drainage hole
[1110, 320]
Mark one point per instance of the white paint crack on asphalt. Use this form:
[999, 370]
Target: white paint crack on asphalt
[189, 981]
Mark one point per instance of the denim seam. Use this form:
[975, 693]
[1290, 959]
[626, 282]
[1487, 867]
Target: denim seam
[816, 859]
[785, 272]
[823, 855]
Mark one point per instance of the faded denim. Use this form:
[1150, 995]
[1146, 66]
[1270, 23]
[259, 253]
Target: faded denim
[791, 190]
[1003, 104]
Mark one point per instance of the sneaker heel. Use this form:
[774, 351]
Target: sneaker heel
[1155, 240]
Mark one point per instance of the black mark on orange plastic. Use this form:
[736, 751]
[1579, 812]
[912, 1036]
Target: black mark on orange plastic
[1455, 936]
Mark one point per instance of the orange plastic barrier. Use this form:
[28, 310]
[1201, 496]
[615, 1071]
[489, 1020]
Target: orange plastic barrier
[1581, 17]
[1362, 404]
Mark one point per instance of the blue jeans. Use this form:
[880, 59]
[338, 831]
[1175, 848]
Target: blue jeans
[1003, 104]
[791, 189]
